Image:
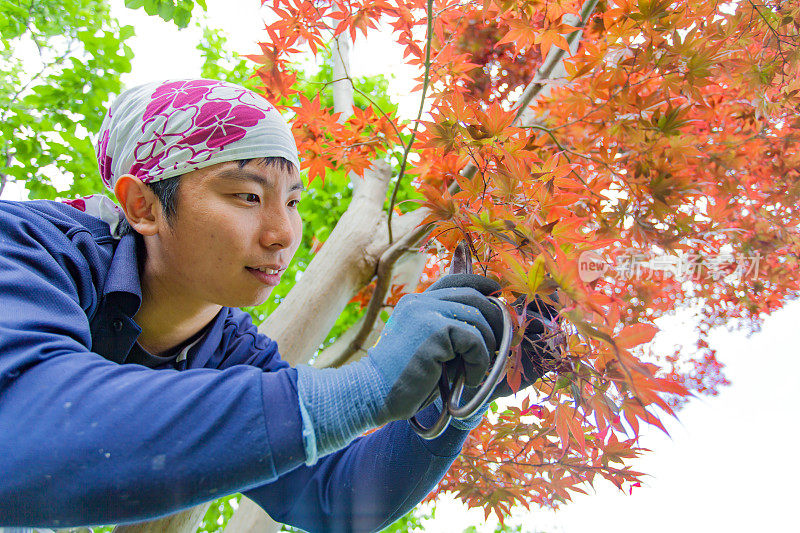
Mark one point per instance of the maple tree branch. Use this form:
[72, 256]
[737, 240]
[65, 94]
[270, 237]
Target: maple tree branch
[428, 39]
[568, 151]
[366, 96]
[366, 142]
[395, 250]
[773, 31]
[610, 96]
[566, 464]
[443, 46]
[382, 284]
[541, 78]
[552, 468]
[553, 59]
[453, 6]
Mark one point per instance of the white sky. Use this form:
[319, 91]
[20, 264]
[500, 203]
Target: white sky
[728, 465]
[164, 52]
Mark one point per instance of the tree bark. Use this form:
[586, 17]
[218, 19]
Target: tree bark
[342, 85]
[187, 521]
[251, 518]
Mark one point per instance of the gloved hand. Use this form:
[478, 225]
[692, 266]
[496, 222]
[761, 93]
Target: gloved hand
[539, 349]
[451, 320]
[539, 343]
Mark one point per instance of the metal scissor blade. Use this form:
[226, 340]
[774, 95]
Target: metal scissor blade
[462, 259]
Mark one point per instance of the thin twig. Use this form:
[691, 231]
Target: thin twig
[382, 284]
[36, 76]
[428, 39]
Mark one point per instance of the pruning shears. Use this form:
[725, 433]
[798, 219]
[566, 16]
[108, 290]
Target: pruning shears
[451, 394]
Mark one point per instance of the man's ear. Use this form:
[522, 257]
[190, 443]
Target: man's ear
[140, 204]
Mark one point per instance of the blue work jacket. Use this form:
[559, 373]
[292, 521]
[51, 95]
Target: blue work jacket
[88, 437]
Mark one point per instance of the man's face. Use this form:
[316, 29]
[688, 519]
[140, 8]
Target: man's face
[234, 233]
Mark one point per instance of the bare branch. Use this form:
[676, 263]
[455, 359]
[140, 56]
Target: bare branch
[342, 84]
[382, 285]
[428, 38]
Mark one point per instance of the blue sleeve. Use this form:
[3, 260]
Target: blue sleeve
[84, 440]
[367, 485]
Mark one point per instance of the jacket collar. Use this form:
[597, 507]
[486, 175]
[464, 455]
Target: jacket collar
[122, 280]
[112, 327]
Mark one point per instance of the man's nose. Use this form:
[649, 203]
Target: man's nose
[277, 229]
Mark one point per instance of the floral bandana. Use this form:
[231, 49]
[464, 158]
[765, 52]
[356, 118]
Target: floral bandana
[162, 130]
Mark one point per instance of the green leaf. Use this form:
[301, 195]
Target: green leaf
[151, 7]
[125, 32]
[41, 112]
[166, 9]
[182, 16]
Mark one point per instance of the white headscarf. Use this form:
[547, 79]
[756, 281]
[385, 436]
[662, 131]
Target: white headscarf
[161, 130]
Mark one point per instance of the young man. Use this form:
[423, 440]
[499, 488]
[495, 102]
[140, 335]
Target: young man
[132, 386]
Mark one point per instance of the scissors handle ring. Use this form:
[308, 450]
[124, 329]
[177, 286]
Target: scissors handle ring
[444, 417]
[452, 396]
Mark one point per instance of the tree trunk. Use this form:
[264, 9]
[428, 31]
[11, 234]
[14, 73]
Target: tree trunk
[251, 518]
[187, 521]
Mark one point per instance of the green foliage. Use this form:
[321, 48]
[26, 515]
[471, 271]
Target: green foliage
[219, 63]
[178, 11]
[219, 513]
[59, 64]
[411, 521]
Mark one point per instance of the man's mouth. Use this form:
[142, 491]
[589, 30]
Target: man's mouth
[267, 270]
[268, 275]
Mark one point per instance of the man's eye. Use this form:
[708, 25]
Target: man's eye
[294, 203]
[249, 197]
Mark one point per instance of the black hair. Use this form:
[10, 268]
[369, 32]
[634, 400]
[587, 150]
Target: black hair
[281, 162]
[167, 193]
[167, 190]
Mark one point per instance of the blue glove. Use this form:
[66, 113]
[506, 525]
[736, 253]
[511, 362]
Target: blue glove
[540, 344]
[443, 324]
[540, 347]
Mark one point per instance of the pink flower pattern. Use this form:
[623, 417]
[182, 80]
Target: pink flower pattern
[180, 126]
[103, 159]
[220, 123]
[178, 94]
[77, 203]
